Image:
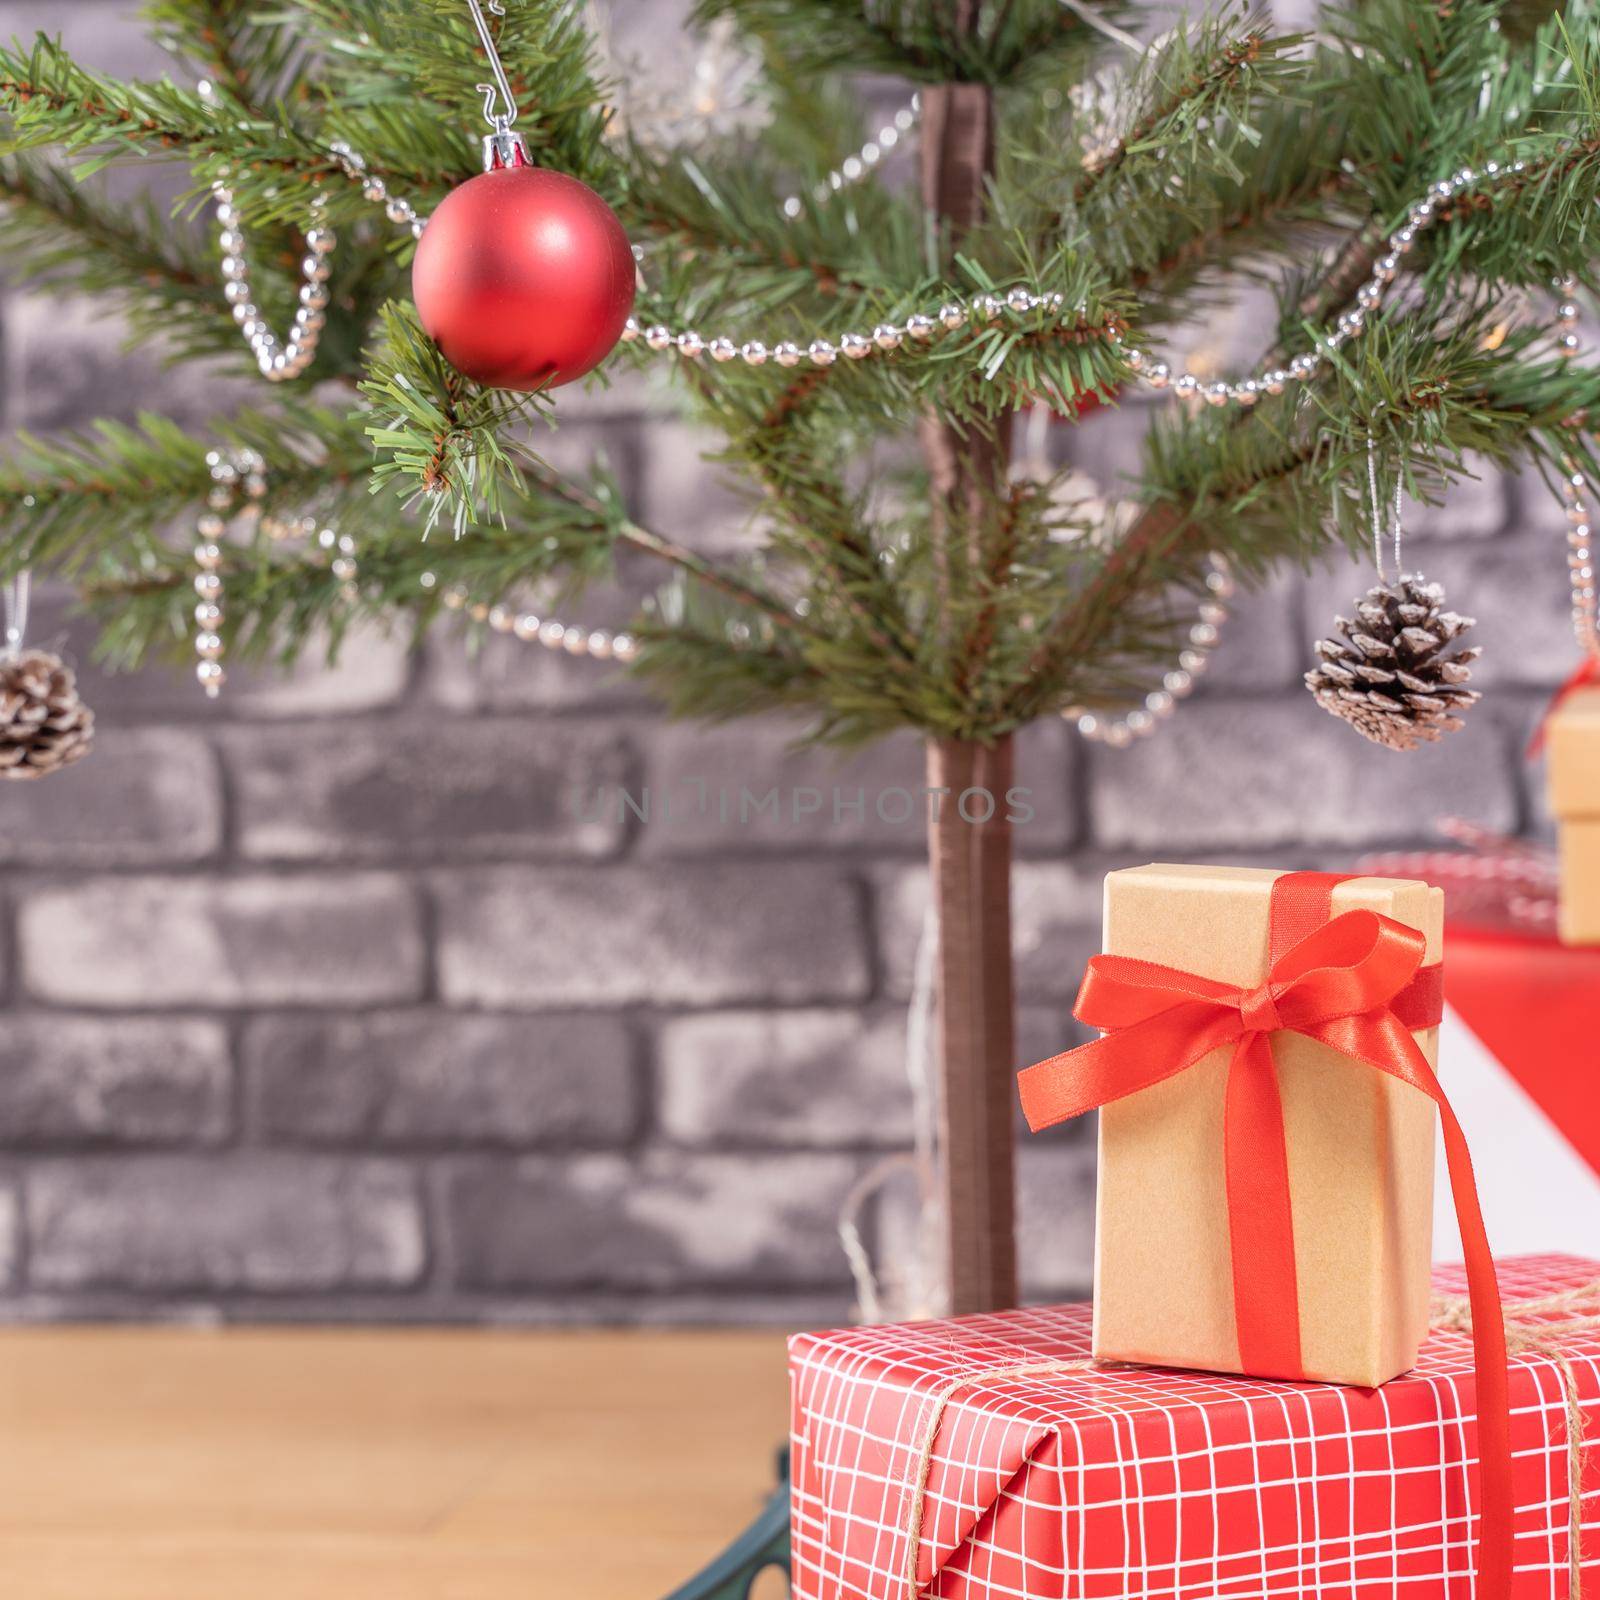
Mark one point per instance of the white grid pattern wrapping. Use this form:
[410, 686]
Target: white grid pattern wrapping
[1133, 1483]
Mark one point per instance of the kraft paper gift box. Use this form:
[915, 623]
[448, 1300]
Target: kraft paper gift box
[1359, 1147]
[1572, 737]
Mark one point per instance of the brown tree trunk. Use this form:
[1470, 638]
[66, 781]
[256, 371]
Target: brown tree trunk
[967, 466]
[971, 859]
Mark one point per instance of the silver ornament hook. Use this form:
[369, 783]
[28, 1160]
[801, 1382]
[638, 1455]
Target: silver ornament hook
[17, 594]
[501, 147]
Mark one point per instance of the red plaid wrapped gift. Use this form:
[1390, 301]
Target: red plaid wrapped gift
[987, 1458]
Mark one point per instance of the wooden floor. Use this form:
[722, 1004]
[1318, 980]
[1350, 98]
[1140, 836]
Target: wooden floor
[337, 1465]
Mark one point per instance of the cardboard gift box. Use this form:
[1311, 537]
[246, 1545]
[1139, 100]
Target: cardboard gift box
[1358, 1143]
[1572, 738]
[989, 1458]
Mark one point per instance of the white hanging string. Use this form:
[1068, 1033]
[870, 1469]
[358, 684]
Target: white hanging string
[1100, 25]
[927, 1286]
[17, 595]
[1035, 454]
[863, 1271]
[922, 1290]
[1377, 516]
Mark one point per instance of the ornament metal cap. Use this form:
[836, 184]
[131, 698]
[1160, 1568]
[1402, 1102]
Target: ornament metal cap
[505, 148]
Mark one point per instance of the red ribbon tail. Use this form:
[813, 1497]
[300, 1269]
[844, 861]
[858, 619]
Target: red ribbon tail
[1496, 1491]
[1266, 1295]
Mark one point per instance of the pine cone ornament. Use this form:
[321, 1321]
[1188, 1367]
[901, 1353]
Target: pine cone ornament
[43, 723]
[1393, 673]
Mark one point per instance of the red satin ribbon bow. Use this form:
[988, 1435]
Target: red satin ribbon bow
[1357, 985]
[1586, 674]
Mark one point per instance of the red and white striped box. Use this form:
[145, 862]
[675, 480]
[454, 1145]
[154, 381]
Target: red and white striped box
[1133, 1483]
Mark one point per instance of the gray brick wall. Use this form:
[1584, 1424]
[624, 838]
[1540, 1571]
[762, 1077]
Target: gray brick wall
[322, 1002]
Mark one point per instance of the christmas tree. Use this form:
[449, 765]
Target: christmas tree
[861, 330]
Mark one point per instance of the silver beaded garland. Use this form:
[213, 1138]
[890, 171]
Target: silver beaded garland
[854, 168]
[1247, 391]
[278, 361]
[1576, 493]
[886, 337]
[1119, 730]
[340, 548]
[570, 638]
[236, 476]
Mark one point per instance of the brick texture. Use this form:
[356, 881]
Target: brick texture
[324, 940]
[427, 1078]
[425, 985]
[1055, 919]
[76, 1081]
[475, 789]
[812, 1078]
[256, 1224]
[151, 797]
[753, 787]
[1264, 775]
[669, 1221]
[641, 936]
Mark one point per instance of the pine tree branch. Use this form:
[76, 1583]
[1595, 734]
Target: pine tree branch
[62, 219]
[1187, 99]
[721, 218]
[699, 671]
[988, 363]
[107, 493]
[1434, 393]
[301, 583]
[1350, 268]
[819, 518]
[53, 101]
[856, 600]
[1214, 243]
[1150, 545]
[684, 229]
[1016, 42]
[248, 60]
[979, 638]
[674, 554]
[60, 232]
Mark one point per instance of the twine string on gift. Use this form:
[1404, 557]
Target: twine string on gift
[1356, 984]
[1542, 1327]
[917, 1495]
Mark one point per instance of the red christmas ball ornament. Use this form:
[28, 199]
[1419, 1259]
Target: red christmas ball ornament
[1072, 407]
[524, 278]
